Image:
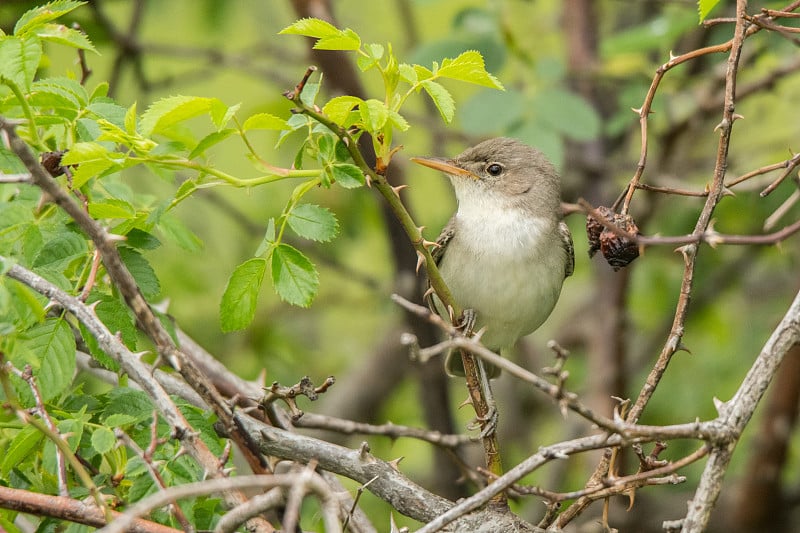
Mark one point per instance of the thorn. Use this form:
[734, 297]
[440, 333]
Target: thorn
[428, 293]
[687, 250]
[671, 56]
[737, 116]
[420, 261]
[465, 403]
[396, 190]
[430, 244]
[727, 192]
[638, 111]
[116, 238]
[394, 463]
[261, 380]
[93, 306]
[420, 229]
[682, 348]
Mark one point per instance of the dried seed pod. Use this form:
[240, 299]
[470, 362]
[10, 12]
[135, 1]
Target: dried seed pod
[51, 161]
[619, 251]
[594, 228]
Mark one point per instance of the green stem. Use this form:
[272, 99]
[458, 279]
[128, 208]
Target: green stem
[26, 109]
[228, 178]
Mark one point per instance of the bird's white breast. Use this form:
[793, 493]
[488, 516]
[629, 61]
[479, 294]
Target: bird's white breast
[512, 268]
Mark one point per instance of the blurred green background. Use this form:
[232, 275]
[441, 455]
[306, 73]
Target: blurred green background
[575, 110]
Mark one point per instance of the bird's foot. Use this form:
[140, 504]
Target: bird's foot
[466, 322]
[486, 423]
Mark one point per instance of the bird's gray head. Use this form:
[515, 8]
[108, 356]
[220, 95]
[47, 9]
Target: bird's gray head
[502, 167]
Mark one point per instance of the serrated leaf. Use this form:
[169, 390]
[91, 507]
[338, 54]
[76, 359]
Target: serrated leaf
[313, 222]
[264, 121]
[168, 112]
[113, 113]
[130, 402]
[142, 272]
[58, 93]
[338, 109]
[54, 345]
[19, 60]
[178, 233]
[347, 175]
[468, 67]
[210, 140]
[43, 14]
[60, 250]
[398, 120]
[311, 27]
[130, 120]
[238, 305]
[704, 7]
[442, 99]
[407, 73]
[58, 33]
[112, 208]
[374, 115]
[293, 276]
[103, 440]
[329, 36]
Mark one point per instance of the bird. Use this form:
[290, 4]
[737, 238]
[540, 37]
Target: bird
[506, 251]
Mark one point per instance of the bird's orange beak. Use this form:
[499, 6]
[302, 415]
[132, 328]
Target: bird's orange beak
[443, 165]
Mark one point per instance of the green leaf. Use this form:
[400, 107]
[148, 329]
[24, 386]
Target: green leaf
[347, 175]
[103, 440]
[704, 7]
[58, 33]
[167, 112]
[374, 115]
[129, 402]
[60, 250]
[92, 159]
[118, 420]
[264, 121]
[338, 109]
[43, 14]
[210, 140]
[10, 163]
[54, 345]
[329, 36]
[178, 233]
[59, 93]
[374, 54]
[19, 60]
[441, 98]
[141, 271]
[112, 208]
[268, 240]
[293, 276]
[468, 67]
[313, 222]
[238, 305]
[20, 449]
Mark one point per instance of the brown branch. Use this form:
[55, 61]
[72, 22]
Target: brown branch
[77, 511]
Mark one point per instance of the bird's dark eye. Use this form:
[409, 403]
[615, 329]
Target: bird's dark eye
[494, 169]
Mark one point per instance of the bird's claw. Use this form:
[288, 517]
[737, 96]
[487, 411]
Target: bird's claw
[487, 423]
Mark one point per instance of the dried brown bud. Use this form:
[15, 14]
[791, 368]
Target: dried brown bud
[51, 161]
[619, 251]
[594, 228]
